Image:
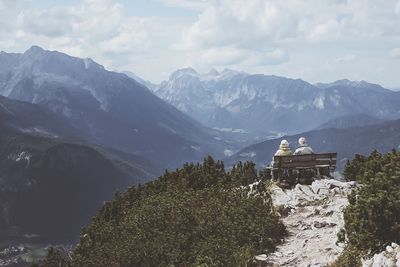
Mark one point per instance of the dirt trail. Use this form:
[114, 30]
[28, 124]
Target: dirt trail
[315, 218]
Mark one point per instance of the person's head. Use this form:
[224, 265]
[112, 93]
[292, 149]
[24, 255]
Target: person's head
[284, 143]
[302, 141]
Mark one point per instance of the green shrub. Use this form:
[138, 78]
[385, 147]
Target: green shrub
[372, 218]
[351, 257]
[199, 215]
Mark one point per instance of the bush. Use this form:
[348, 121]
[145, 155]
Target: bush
[56, 257]
[351, 257]
[199, 215]
[372, 218]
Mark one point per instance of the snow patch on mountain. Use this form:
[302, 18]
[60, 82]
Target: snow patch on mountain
[228, 152]
[335, 99]
[21, 156]
[87, 62]
[319, 102]
[197, 148]
[39, 131]
[163, 125]
[250, 154]
[242, 131]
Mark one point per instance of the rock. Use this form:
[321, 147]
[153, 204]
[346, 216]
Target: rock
[333, 183]
[323, 224]
[336, 191]
[386, 258]
[290, 252]
[296, 224]
[318, 224]
[306, 192]
[327, 213]
[312, 238]
[261, 257]
[320, 187]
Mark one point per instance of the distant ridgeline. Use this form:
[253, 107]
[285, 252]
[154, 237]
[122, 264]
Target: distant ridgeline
[199, 214]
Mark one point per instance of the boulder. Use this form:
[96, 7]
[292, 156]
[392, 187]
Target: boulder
[390, 257]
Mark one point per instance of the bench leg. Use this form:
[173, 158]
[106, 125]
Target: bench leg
[275, 175]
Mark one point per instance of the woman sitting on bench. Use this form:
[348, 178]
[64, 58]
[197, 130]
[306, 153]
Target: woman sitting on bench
[284, 149]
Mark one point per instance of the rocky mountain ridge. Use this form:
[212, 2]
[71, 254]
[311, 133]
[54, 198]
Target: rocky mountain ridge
[109, 108]
[261, 104]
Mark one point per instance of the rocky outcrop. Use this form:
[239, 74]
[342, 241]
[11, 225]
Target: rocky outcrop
[387, 258]
[315, 216]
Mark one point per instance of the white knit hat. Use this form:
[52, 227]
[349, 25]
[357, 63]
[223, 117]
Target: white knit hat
[284, 143]
[302, 141]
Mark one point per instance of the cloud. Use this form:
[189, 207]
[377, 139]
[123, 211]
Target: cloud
[99, 29]
[244, 23]
[228, 56]
[395, 53]
[192, 4]
[397, 8]
[262, 25]
[345, 58]
[50, 23]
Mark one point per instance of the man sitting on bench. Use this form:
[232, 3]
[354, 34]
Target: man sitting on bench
[303, 148]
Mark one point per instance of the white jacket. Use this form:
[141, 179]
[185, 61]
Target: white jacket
[303, 150]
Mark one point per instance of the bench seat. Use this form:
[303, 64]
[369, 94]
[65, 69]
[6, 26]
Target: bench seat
[325, 161]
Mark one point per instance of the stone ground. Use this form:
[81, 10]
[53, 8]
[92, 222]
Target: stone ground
[388, 258]
[315, 218]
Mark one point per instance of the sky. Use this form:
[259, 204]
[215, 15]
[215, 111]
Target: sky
[317, 41]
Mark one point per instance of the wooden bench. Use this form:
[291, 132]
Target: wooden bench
[324, 163]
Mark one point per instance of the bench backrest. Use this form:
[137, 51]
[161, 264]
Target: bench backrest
[304, 161]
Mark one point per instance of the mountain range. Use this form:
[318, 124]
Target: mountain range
[263, 104]
[108, 108]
